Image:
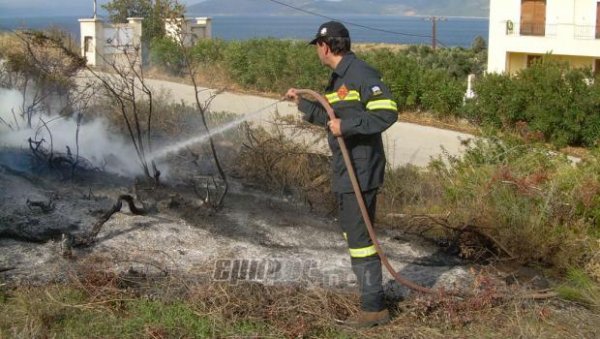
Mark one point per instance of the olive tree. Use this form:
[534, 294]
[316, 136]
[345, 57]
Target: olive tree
[154, 13]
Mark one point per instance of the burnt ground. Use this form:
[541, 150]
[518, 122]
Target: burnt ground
[272, 239]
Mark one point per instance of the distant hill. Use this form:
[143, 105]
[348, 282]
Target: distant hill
[332, 8]
[44, 8]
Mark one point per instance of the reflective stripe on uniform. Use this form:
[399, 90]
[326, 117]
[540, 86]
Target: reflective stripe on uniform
[345, 236]
[382, 104]
[351, 96]
[363, 252]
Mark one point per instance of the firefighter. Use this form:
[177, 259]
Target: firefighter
[364, 109]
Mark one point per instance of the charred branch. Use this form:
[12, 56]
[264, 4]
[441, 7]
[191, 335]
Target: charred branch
[89, 239]
[123, 85]
[442, 221]
[45, 207]
[58, 160]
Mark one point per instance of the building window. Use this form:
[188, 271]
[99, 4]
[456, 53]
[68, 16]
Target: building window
[597, 20]
[87, 43]
[533, 17]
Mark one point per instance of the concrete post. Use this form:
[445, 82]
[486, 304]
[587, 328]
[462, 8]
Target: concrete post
[91, 40]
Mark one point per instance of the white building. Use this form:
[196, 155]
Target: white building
[523, 30]
[105, 43]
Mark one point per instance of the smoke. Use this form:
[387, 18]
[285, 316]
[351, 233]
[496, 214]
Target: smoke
[96, 144]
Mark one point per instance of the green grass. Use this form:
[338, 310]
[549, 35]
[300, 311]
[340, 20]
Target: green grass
[579, 287]
[79, 310]
[66, 312]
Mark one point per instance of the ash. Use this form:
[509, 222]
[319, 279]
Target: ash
[256, 236]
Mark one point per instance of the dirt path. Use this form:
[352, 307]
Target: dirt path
[406, 143]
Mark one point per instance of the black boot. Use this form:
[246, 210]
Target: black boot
[369, 279]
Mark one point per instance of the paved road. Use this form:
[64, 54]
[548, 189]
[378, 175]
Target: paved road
[405, 142]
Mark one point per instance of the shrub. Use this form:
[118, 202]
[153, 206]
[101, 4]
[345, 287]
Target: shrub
[498, 103]
[165, 53]
[304, 69]
[401, 73]
[43, 56]
[416, 86]
[457, 62]
[537, 206]
[550, 97]
[442, 94]
[209, 52]
[418, 78]
[274, 65]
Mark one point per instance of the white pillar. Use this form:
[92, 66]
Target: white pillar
[90, 33]
[205, 22]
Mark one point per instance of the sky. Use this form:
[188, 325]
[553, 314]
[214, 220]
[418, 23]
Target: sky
[39, 4]
[55, 7]
[45, 8]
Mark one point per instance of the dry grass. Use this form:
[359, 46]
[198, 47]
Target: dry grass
[295, 311]
[274, 160]
[9, 43]
[502, 200]
[48, 56]
[98, 303]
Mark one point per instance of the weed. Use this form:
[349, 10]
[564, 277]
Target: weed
[581, 288]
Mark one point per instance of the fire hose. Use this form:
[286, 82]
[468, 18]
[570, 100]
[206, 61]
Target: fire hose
[361, 201]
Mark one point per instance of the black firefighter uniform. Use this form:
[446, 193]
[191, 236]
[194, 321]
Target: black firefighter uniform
[366, 109]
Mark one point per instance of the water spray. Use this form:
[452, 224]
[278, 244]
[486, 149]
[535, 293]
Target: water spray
[161, 153]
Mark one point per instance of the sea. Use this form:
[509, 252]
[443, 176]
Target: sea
[451, 31]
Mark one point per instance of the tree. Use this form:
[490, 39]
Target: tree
[478, 44]
[191, 67]
[154, 13]
[126, 85]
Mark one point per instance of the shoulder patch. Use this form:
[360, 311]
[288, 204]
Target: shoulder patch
[342, 92]
[376, 90]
